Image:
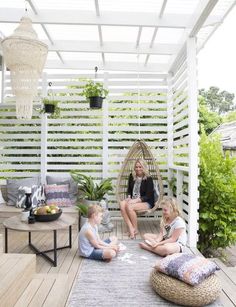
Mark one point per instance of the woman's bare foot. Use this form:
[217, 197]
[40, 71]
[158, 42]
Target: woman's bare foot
[132, 234]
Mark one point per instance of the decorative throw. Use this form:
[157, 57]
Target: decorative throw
[58, 195]
[187, 267]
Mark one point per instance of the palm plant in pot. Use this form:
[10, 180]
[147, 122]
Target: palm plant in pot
[92, 193]
[95, 92]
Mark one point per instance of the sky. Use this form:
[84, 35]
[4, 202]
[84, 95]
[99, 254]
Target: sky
[217, 60]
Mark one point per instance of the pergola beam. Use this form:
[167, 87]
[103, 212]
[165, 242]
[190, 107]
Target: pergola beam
[112, 47]
[73, 17]
[199, 17]
[116, 66]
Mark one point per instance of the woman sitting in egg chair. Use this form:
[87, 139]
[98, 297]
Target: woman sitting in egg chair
[140, 196]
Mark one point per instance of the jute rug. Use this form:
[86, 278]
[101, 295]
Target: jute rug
[122, 282]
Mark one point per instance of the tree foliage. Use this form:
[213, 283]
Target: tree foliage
[208, 120]
[218, 101]
[217, 212]
[229, 117]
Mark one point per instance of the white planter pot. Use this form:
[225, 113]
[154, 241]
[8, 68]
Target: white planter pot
[83, 220]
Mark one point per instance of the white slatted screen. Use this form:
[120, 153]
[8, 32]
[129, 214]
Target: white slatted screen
[94, 142]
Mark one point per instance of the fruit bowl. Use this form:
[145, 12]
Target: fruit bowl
[47, 216]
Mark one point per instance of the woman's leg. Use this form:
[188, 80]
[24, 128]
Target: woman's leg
[131, 210]
[123, 209]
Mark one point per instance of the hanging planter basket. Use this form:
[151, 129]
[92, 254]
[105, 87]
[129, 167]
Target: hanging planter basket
[96, 102]
[49, 108]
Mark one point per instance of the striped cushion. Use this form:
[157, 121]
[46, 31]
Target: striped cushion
[187, 267]
[58, 195]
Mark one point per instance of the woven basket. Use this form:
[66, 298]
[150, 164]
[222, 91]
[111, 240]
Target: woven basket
[181, 293]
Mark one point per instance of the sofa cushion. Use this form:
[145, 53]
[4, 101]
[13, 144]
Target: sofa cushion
[14, 184]
[36, 196]
[57, 195]
[187, 267]
[63, 180]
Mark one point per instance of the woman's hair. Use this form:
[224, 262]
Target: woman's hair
[171, 202]
[144, 166]
[94, 209]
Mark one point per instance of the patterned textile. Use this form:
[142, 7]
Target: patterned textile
[13, 186]
[36, 196]
[65, 179]
[187, 267]
[58, 195]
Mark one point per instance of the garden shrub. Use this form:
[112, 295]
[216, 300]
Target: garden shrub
[217, 211]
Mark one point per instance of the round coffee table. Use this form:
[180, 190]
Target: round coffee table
[65, 221]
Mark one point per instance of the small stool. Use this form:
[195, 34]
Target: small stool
[179, 292]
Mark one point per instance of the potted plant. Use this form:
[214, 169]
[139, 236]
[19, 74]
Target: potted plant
[95, 92]
[51, 107]
[92, 192]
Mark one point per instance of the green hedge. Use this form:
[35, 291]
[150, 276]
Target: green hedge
[217, 212]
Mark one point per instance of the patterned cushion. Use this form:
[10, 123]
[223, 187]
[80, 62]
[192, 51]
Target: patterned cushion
[58, 195]
[187, 267]
[13, 186]
[65, 179]
[36, 196]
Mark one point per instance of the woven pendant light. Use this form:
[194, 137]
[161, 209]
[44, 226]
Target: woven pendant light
[25, 57]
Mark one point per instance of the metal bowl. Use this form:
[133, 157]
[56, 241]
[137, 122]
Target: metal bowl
[48, 217]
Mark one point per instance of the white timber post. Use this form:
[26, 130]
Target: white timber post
[44, 133]
[170, 128]
[105, 132]
[3, 80]
[193, 193]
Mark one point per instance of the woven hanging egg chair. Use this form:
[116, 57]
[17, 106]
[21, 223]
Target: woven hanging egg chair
[139, 150]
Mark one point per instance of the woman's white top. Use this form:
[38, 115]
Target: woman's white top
[177, 223]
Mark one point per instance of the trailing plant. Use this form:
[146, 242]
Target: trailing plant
[217, 212]
[94, 89]
[90, 189]
[47, 101]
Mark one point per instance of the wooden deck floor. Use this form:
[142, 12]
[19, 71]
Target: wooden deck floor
[69, 264]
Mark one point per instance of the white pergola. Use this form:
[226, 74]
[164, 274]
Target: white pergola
[138, 45]
[112, 33]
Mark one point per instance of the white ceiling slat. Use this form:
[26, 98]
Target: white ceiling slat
[112, 47]
[119, 66]
[73, 17]
[138, 37]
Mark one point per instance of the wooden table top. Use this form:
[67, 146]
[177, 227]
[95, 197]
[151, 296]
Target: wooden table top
[15, 223]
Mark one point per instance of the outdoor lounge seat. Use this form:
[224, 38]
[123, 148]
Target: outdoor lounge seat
[179, 292]
[139, 150]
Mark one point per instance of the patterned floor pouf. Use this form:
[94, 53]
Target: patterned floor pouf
[179, 292]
